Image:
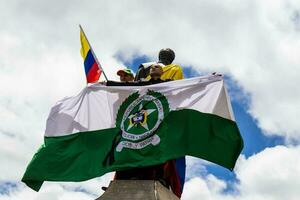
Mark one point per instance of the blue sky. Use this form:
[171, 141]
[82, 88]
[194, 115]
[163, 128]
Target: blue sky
[254, 140]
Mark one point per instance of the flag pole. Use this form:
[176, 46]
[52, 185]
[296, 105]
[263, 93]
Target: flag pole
[92, 51]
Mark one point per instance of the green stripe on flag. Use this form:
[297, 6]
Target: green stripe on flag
[75, 157]
[81, 156]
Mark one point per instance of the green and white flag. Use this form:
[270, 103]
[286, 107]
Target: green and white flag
[104, 129]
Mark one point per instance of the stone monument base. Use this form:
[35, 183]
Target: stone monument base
[137, 190]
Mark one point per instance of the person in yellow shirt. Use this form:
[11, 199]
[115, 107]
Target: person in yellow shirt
[173, 170]
[170, 71]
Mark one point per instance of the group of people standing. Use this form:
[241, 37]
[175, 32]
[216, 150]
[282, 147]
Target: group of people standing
[171, 173]
[151, 73]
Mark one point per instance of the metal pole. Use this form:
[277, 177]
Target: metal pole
[93, 53]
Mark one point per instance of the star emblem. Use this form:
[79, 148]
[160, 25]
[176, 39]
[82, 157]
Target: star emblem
[140, 118]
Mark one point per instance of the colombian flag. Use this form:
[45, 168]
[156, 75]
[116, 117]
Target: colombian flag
[91, 67]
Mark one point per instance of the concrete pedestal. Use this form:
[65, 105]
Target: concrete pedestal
[137, 190]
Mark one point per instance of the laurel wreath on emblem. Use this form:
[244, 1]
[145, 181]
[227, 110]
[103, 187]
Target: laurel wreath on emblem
[139, 117]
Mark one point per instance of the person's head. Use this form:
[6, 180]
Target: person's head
[166, 56]
[126, 75]
[156, 71]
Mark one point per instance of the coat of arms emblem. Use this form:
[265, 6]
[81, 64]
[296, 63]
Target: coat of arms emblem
[139, 117]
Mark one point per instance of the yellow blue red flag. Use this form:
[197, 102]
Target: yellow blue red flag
[91, 66]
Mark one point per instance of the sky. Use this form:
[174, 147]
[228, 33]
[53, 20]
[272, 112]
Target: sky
[254, 43]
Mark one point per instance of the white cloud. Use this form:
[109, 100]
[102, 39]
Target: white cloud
[55, 192]
[256, 42]
[272, 174]
[209, 188]
[87, 190]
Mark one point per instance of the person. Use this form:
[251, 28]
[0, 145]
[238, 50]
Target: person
[171, 173]
[126, 75]
[173, 169]
[155, 172]
[155, 73]
[170, 71]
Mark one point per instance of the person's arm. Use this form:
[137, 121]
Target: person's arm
[114, 83]
[117, 83]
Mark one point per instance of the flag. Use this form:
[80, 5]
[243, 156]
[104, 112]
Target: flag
[105, 129]
[91, 66]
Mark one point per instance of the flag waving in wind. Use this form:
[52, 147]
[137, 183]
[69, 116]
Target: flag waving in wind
[92, 67]
[104, 129]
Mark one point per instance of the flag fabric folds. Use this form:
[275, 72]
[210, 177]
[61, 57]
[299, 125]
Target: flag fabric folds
[91, 67]
[105, 129]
